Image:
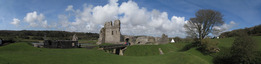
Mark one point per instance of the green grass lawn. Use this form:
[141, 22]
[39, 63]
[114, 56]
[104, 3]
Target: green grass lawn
[152, 50]
[87, 41]
[23, 53]
[227, 42]
[258, 41]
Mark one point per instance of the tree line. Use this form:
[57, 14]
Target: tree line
[38, 35]
[252, 31]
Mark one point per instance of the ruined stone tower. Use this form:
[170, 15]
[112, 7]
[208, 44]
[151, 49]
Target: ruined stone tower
[110, 33]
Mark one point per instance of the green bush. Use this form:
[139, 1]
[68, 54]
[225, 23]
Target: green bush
[258, 57]
[223, 57]
[243, 49]
[209, 46]
[177, 39]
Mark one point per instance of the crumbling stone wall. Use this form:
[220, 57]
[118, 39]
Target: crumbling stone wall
[141, 40]
[110, 33]
[101, 36]
[163, 40]
[131, 39]
[75, 38]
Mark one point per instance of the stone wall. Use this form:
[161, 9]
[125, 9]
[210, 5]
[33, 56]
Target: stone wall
[75, 38]
[152, 40]
[101, 36]
[110, 33]
[60, 44]
[163, 40]
[141, 40]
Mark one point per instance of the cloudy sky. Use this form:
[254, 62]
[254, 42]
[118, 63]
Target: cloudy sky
[138, 17]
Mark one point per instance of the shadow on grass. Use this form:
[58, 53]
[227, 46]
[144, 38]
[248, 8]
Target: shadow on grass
[188, 46]
[197, 46]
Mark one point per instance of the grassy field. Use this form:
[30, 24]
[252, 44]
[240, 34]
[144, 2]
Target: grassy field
[148, 50]
[226, 43]
[23, 53]
[152, 50]
[87, 41]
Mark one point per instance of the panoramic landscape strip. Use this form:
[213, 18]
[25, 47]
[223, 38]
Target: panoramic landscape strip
[130, 32]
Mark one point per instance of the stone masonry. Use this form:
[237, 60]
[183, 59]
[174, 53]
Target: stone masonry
[110, 33]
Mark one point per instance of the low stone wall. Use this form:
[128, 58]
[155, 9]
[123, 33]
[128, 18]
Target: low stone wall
[60, 44]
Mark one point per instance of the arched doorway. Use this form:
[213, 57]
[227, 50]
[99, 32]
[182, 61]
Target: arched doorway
[127, 39]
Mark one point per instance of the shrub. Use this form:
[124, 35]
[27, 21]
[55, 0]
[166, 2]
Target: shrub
[241, 52]
[258, 57]
[243, 49]
[177, 39]
[209, 46]
[223, 57]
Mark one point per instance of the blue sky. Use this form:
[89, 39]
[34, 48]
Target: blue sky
[242, 13]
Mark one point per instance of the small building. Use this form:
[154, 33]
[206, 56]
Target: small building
[60, 44]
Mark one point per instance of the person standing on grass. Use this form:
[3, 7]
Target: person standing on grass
[127, 43]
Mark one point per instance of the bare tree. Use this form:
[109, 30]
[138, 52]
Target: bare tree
[200, 26]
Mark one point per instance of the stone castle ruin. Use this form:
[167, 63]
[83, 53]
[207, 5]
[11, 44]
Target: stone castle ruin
[59, 43]
[110, 33]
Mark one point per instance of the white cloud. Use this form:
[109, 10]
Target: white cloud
[105, 13]
[15, 21]
[133, 14]
[224, 28]
[135, 20]
[35, 20]
[69, 8]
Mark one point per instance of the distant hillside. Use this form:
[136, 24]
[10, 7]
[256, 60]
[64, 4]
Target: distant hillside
[252, 31]
[38, 35]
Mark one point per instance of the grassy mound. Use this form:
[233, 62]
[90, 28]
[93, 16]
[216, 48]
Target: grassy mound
[148, 50]
[18, 47]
